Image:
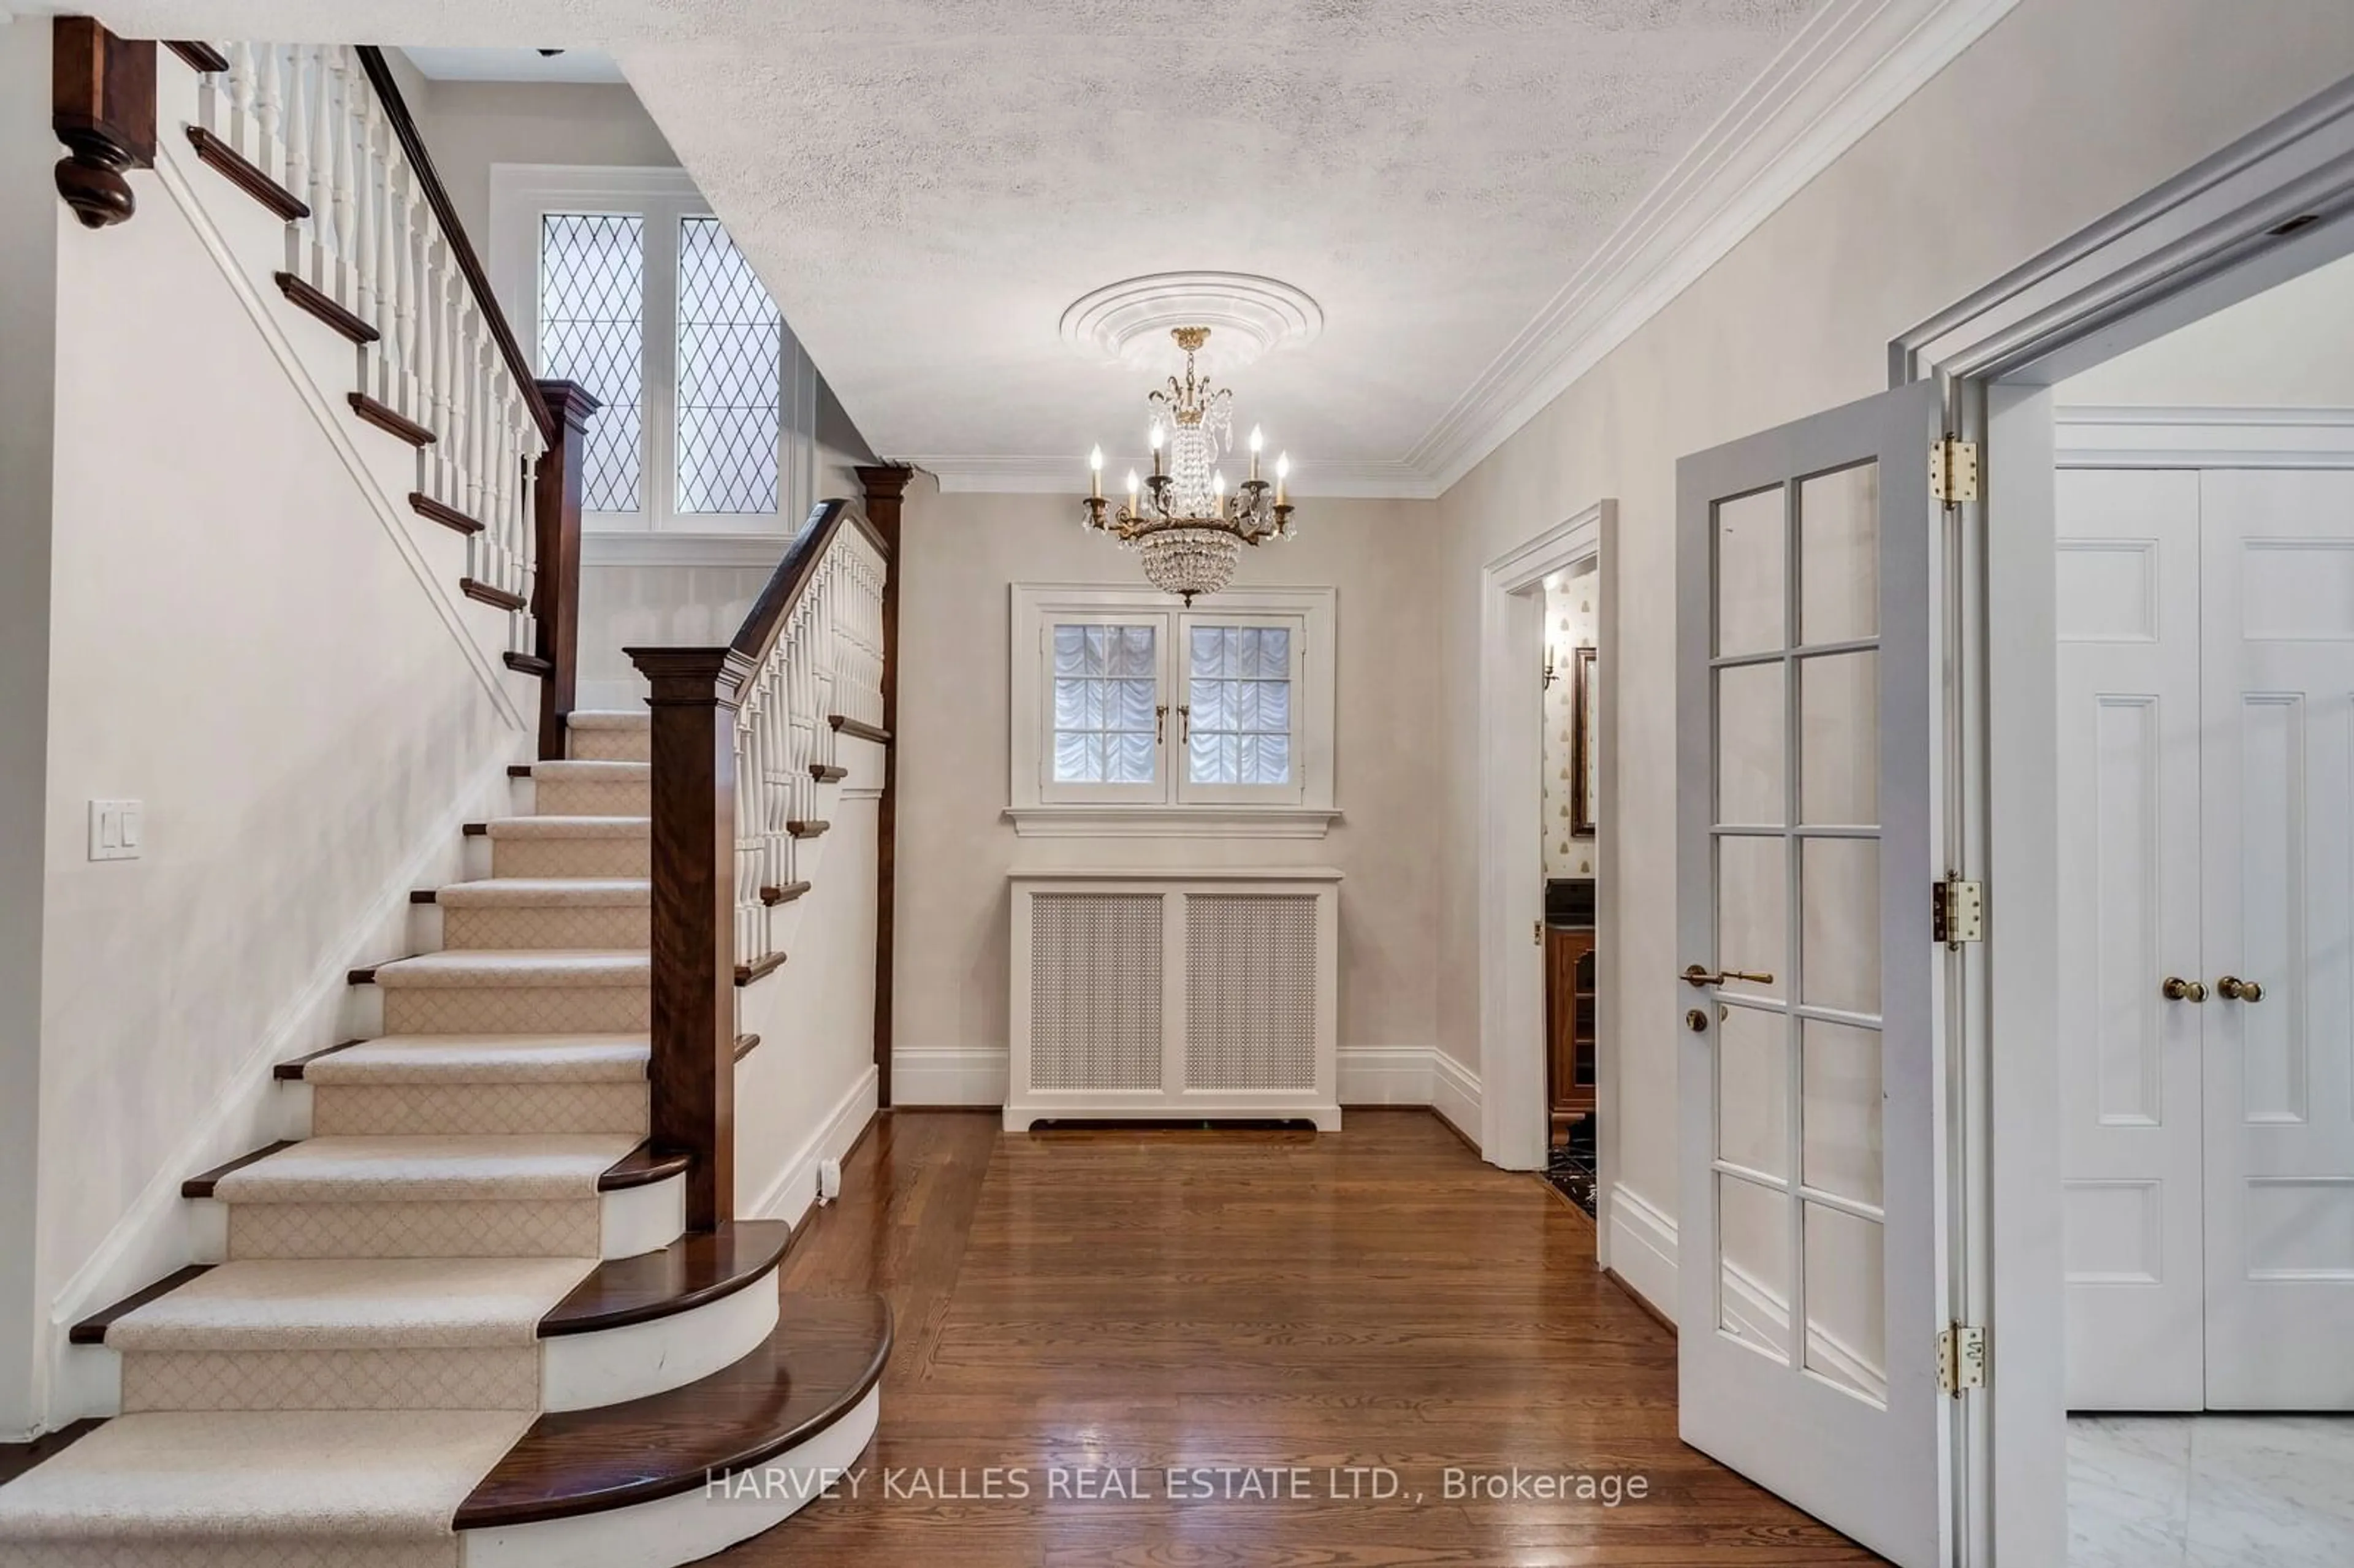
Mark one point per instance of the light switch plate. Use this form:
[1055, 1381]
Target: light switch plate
[117, 829]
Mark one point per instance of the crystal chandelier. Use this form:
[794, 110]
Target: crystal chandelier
[1183, 520]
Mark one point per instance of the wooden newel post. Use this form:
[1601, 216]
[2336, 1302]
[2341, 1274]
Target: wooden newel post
[102, 107]
[693, 1073]
[556, 589]
[884, 485]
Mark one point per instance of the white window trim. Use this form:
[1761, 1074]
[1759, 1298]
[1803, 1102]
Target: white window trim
[1034, 815]
[521, 194]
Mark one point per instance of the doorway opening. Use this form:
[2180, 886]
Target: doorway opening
[1570, 854]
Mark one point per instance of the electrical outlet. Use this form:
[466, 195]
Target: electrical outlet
[117, 829]
[829, 1179]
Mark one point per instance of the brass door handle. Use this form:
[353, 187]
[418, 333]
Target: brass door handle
[1161, 724]
[2176, 989]
[2231, 988]
[1700, 978]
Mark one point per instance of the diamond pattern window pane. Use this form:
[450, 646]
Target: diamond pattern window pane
[1239, 695]
[1106, 688]
[730, 375]
[592, 330]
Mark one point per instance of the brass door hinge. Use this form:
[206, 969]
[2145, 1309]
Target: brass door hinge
[1961, 1358]
[1536, 932]
[1953, 471]
[1957, 911]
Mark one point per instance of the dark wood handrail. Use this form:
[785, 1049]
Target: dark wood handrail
[437, 197]
[761, 628]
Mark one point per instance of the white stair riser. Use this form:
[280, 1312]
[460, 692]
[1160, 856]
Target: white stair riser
[478, 1378]
[620, 1224]
[599, 926]
[367, 1110]
[590, 798]
[630, 856]
[506, 1009]
[581, 1371]
[611, 744]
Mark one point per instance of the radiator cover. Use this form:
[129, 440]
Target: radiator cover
[1194, 995]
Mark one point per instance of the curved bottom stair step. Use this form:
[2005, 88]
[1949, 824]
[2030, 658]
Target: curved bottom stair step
[640, 1485]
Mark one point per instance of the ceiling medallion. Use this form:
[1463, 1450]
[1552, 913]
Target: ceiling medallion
[1127, 323]
[1189, 530]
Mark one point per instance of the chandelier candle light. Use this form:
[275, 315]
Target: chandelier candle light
[1189, 530]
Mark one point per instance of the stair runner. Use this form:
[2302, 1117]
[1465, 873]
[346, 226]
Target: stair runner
[370, 1349]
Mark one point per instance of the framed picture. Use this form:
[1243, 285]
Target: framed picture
[1583, 792]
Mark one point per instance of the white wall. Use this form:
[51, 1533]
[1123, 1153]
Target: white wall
[2064, 111]
[470, 125]
[241, 640]
[2291, 346]
[32, 221]
[960, 554]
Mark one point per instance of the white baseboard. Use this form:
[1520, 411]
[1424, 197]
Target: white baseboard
[949, 1076]
[1642, 1247]
[1386, 1075]
[1455, 1094]
[788, 1197]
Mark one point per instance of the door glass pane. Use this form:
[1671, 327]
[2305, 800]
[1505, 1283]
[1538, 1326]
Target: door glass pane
[1752, 910]
[1839, 555]
[1847, 1330]
[1106, 687]
[1752, 1238]
[1750, 573]
[1749, 762]
[1753, 1090]
[1838, 923]
[1839, 1110]
[1839, 739]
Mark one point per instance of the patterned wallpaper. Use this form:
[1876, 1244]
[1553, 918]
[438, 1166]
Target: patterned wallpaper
[1569, 623]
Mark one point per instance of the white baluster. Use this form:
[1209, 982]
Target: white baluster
[367, 229]
[208, 95]
[441, 360]
[245, 130]
[320, 159]
[347, 122]
[406, 298]
[267, 114]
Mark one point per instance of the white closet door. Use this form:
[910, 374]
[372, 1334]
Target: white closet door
[2128, 595]
[2279, 855]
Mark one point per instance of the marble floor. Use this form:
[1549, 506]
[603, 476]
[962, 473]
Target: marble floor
[2211, 1491]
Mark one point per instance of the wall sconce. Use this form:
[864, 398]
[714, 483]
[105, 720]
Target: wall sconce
[1552, 670]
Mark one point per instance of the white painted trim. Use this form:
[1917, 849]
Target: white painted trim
[161, 1231]
[924, 1075]
[1839, 76]
[1644, 1252]
[789, 1196]
[1455, 1093]
[1386, 1075]
[1512, 1120]
[689, 1526]
[614, 548]
[1068, 475]
[634, 1220]
[585, 1372]
[1171, 822]
[2090, 436]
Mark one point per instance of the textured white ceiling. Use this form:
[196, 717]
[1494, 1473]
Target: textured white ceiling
[513, 65]
[925, 185]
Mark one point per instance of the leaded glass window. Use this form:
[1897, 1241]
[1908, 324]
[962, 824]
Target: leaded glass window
[730, 368]
[1238, 705]
[1105, 692]
[592, 330]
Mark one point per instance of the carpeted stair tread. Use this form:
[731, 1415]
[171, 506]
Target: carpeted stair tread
[569, 827]
[428, 1170]
[475, 969]
[610, 718]
[355, 1304]
[408, 1059]
[823, 1358]
[269, 1478]
[546, 892]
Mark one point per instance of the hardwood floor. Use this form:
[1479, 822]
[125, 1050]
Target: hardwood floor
[1101, 1300]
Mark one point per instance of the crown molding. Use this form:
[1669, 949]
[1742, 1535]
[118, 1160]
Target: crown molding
[1067, 475]
[1839, 76]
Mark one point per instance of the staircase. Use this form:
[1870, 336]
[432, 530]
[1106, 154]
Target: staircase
[461, 1323]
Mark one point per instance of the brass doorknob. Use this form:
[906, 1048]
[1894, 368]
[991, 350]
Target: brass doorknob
[1700, 978]
[1696, 1021]
[2176, 989]
[2231, 988]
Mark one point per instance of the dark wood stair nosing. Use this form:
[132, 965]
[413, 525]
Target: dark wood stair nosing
[845, 725]
[199, 55]
[573, 1464]
[293, 1072]
[246, 175]
[693, 1271]
[527, 663]
[476, 829]
[91, 1330]
[306, 296]
[747, 973]
[485, 594]
[202, 1185]
[17, 1458]
[642, 1167]
[365, 976]
[807, 829]
[447, 516]
[827, 773]
[390, 420]
[425, 895]
[774, 895]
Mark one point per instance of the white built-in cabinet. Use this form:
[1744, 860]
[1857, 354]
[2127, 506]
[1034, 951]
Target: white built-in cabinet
[2206, 683]
[1142, 994]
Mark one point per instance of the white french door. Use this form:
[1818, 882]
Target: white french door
[1811, 1258]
